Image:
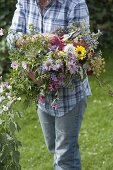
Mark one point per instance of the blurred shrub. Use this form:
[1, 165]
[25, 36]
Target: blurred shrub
[7, 8]
[101, 17]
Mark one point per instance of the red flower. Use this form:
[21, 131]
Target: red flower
[42, 99]
[55, 40]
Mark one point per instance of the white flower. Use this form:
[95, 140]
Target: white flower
[8, 137]
[9, 87]
[69, 48]
[7, 94]
[11, 115]
[1, 98]
[1, 32]
[5, 108]
[19, 98]
[9, 97]
[1, 88]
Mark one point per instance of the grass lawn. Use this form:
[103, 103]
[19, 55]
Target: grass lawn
[96, 136]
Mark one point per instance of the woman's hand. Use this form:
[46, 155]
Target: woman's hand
[32, 76]
[22, 41]
[53, 39]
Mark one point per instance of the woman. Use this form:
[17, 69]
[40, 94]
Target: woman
[60, 127]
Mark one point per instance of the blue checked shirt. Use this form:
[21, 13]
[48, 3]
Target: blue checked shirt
[59, 13]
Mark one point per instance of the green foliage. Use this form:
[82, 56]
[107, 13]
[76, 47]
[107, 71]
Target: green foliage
[101, 17]
[9, 154]
[6, 13]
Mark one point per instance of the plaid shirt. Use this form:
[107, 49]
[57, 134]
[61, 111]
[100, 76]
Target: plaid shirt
[59, 13]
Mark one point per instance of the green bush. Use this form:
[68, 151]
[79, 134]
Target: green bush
[101, 17]
[6, 12]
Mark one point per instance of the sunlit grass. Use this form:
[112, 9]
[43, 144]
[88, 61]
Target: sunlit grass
[96, 137]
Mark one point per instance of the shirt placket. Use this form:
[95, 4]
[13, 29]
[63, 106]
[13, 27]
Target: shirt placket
[43, 14]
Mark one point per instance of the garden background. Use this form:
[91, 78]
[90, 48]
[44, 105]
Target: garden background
[96, 137]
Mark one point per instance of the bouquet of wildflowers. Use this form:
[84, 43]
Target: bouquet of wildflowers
[55, 61]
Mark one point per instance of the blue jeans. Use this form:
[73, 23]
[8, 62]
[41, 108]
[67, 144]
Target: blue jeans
[61, 136]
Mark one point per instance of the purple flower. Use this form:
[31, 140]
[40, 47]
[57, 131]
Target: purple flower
[72, 67]
[56, 67]
[42, 68]
[71, 57]
[48, 64]
[53, 77]
[14, 65]
[53, 47]
[24, 65]
[1, 32]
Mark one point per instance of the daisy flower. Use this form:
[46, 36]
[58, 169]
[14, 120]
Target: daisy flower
[80, 52]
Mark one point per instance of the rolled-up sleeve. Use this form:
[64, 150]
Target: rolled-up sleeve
[18, 26]
[79, 13]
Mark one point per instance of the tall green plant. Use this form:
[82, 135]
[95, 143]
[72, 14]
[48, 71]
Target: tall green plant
[6, 12]
[9, 144]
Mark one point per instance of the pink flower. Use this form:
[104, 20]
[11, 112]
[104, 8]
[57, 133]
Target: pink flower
[55, 106]
[53, 86]
[42, 99]
[1, 32]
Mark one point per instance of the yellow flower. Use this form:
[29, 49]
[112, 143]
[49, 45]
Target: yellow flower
[80, 52]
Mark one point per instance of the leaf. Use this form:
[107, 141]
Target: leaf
[13, 127]
[16, 157]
